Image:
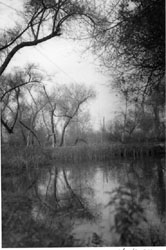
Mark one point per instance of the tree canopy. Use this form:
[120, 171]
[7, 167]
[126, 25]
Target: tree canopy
[41, 21]
[135, 40]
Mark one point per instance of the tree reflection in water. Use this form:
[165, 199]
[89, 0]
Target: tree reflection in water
[135, 201]
[160, 191]
[135, 225]
[58, 202]
[70, 202]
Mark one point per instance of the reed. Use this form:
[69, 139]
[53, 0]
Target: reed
[103, 152]
[16, 159]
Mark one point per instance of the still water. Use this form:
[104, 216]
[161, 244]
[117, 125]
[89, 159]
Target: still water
[106, 203]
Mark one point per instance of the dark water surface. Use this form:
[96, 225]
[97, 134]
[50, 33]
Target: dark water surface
[107, 203]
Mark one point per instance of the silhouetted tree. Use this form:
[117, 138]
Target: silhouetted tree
[73, 99]
[134, 40]
[12, 93]
[41, 21]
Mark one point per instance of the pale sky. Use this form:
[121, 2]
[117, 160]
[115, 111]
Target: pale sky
[66, 61]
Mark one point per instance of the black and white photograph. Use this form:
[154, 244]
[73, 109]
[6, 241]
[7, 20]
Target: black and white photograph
[82, 89]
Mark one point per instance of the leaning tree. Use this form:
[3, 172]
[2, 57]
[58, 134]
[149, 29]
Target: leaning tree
[43, 20]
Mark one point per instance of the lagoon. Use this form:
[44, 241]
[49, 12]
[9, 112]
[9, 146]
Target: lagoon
[120, 202]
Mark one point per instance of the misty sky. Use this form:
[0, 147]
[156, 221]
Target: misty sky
[67, 61]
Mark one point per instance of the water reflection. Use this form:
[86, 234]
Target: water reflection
[159, 192]
[106, 203]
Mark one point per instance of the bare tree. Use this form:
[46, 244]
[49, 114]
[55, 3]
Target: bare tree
[42, 20]
[73, 99]
[78, 128]
[34, 107]
[12, 92]
[10, 111]
[51, 106]
[63, 105]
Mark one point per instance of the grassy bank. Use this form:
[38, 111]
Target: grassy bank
[36, 157]
[106, 152]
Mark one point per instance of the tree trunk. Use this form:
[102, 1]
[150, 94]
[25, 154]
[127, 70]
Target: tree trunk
[23, 136]
[156, 122]
[63, 133]
[30, 132]
[55, 184]
[124, 124]
[53, 129]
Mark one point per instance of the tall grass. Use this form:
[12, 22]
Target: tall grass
[16, 158]
[102, 152]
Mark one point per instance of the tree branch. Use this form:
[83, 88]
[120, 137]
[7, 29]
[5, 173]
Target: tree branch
[18, 86]
[23, 124]
[25, 44]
